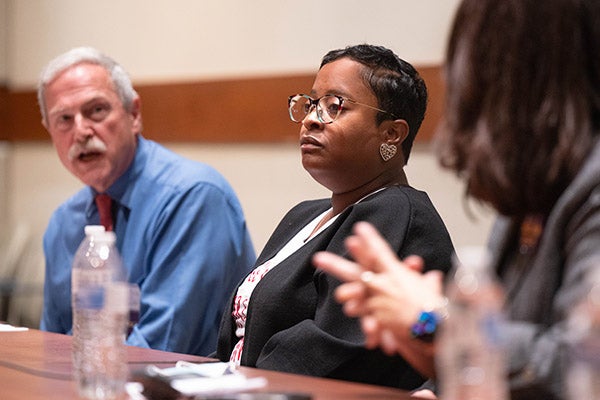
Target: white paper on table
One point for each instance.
(207, 369)
(10, 328)
(214, 386)
(211, 378)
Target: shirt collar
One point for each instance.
(121, 190)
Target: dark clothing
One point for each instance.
(295, 325)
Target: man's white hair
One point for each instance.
(80, 55)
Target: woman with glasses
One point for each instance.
(522, 125)
(357, 126)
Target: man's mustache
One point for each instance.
(93, 145)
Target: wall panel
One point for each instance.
(226, 111)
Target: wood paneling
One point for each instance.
(435, 106)
(241, 110)
(3, 113)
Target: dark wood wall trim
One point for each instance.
(240, 110)
(4, 131)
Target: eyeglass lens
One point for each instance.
(328, 108)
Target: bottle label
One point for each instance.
(491, 327)
(89, 298)
(117, 298)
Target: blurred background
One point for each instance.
(214, 77)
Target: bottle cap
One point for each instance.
(93, 229)
(105, 237)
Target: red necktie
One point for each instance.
(104, 204)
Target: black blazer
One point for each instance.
(294, 323)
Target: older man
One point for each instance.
(180, 228)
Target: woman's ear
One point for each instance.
(395, 131)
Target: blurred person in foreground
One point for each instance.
(521, 128)
(358, 124)
(180, 228)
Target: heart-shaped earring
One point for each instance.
(387, 151)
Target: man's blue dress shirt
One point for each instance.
(183, 239)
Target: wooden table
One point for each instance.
(37, 365)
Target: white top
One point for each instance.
(242, 298)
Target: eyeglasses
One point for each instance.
(328, 107)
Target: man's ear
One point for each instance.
(395, 131)
(136, 114)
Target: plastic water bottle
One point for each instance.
(80, 254)
(471, 362)
(583, 374)
(100, 313)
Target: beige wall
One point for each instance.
(3, 40)
(172, 40)
(181, 39)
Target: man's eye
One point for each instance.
(98, 112)
(63, 120)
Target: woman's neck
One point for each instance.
(341, 200)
